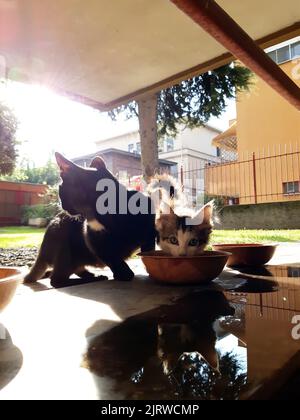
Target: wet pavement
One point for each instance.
(233, 339)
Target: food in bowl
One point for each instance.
(197, 269)
(247, 254)
(10, 278)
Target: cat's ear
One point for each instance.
(204, 215)
(64, 164)
(98, 163)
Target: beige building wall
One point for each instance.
(269, 127)
(266, 121)
(119, 142)
(192, 150)
(198, 139)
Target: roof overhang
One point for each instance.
(119, 152)
(105, 52)
(227, 140)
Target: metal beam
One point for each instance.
(215, 21)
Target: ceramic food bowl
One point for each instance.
(10, 278)
(247, 254)
(185, 270)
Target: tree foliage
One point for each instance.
(8, 129)
(193, 102)
(28, 172)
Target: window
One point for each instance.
(291, 187)
(160, 146)
(283, 54)
(138, 148)
(130, 148)
(273, 55)
(169, 145)
(287, 53)
(295, 50)
(294, 272)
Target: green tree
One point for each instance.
(8, 129)
(47, 174)
(193, 102)
(28, 172)
(190, 104)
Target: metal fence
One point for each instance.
(258, 178)
(251, 179)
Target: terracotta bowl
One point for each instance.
(10, 278)
(185, 270)
(247, 254)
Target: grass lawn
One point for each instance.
(20, 236)
(23, 236)
(245, 236)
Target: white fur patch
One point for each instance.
(183, 248)
(183, 239)
(95, 225)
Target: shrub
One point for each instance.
(45, 211)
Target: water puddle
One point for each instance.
(11, 358)
(252, 285)
(190, 349)
(248, 280)
(286, 271)
(258, 280)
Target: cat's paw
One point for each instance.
(58, 283)
(29, 278)
(124, 275)
(90, 277)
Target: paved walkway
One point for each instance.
(287, 253)
(78, 343)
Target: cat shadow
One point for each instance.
(160, 353)
(11, 358)
(38, 286)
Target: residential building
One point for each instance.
(187, 148)
(190, 151)
(266, 139)
(123, 164)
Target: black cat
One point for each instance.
(80, 236)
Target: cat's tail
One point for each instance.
(166, 189)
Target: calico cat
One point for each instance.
(177, 237)
(180, 231)
(80, 236)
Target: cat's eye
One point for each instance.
(194, 242)
(173, 240)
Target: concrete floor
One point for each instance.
(55, 338)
